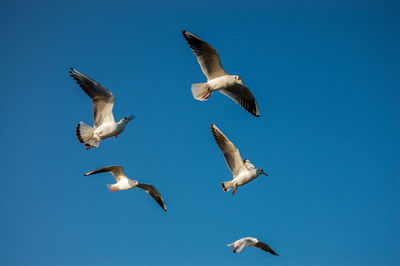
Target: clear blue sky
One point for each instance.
(326, 77)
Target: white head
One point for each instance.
(238, 79)
(133, 183)
(126, 120)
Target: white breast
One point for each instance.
(221, 82)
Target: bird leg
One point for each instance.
(234, 191)
(207, 94)
(89, 147)
(116, 136)
(114, 189)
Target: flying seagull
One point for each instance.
(103, 103)
(124, 183)
(217, 78)
(243, 170)
(240, 244)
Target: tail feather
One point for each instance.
(201, 91)
(226, 186)
(84, 132)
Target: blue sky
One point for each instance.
(326, 77)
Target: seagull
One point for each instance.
(243, 170)
(124, 183)
(240, 244)
(217, 78)
(103, 103)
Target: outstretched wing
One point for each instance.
(243, 96)
(207, 56)
(154, 193)
(231, 153)
(103, 99)
(116, 170)
(265, 247)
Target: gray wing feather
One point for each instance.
(117, 171)
(207, 56)
(265, 247)
(231, 153)
(103, 99)
(243, 96)
(154, 193)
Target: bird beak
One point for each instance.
(264, 173)
(242, 83)
(131, 118)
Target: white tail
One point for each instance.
(84, 132)
(226, 186)
(201, 91)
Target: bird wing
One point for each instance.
(103, 99)
(231, 153)
(242, 96)
(117, 171)
(154, 193)
(248, 164)
(207, 56)
(265, 247)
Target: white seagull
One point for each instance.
(217, 78)
(124, 183)
(103, 104)
(240, 244)
(243, 170)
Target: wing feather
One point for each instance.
(265, 247)
(231, 153)
(116, 170)
(103, 99)
(207, 56)
(243, 96)
(154, 193)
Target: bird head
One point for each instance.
(261, 172)
(128, 119)
(239, 79)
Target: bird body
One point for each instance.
(239, 245)
(125, 183)
(103, 104)
(217, 78)
(222, 82)
(243, 171)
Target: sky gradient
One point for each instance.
(326, 75)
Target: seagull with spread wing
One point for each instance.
(124, 183)
(243, 170)
(240, 244)
(103, 104)
(217, 78)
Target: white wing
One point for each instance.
(207, 56)
(117, 171)
(231, 153)
(243, 96)
(103, 99)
